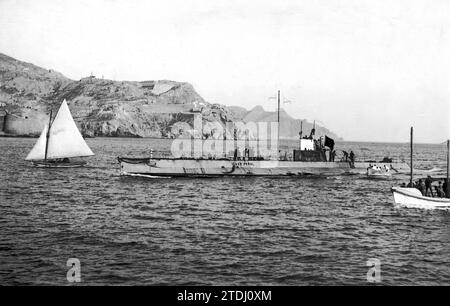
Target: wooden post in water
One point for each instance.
(411, 174)
(48, 135)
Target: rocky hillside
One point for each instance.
(101, 107)
(111, 108)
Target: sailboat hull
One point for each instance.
(56, 164)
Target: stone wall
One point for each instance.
(29, 123)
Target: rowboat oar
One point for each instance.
(394, 169)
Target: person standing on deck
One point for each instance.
(352, 158)
(440, 191)
(428, 182)
(421, 187)
(247, 154)
(332, 155)
(345, 155)
(445, 189)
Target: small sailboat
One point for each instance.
(412, 197)
(59, 141)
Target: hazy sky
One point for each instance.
(368, 70)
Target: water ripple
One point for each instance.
(221, 231)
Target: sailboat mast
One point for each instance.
(301, 135)
(447, 192)
(48, 135)
(411, 174)
(278, 139)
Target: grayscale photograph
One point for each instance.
(207, 144)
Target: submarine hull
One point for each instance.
(225, 167)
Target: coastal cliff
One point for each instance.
(103, 107)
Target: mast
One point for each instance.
(301, 134)
(48, 135)
(447, 192)
(278, 139)
(411, 174)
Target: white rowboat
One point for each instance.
(413, 198)
(379, 173)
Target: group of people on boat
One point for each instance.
(426, 188)
(63, 160)
(248, 154)
(349, 157)
(378, 168)
(58, 161)
(346, 157)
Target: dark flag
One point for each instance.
(329, 142)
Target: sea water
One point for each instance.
(216, 231)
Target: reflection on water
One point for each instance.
(220, 231)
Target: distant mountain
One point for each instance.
(239, 112)
(289, 126)
(103, 107)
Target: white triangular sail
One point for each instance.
(38, 151)
(65, 140)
